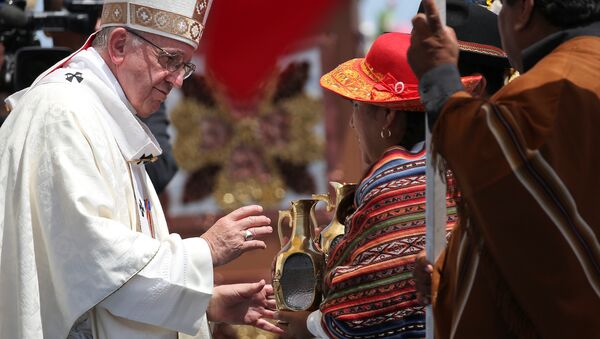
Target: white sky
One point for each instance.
(369, 11)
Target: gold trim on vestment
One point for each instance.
(122, 13)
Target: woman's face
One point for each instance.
(367, 122)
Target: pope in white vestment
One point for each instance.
(72, 156)
(85, 251)
(84, 247)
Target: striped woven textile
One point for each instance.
(369, 290)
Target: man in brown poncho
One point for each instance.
(525, 260)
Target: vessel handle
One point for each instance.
(325, 198)
(282, 216)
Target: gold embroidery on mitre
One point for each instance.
(142, 16)
(114, 13)
(160, 20)
(200, 11)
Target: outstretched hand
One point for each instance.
(422, 275)
(244, 304)
(226, 237)
(432, 43)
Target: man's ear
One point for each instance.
(117, 40)
(525, 15)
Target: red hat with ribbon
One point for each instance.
(383, 77)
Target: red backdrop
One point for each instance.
(244, 38)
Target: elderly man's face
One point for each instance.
(144, 80)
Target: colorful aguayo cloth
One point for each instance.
(369, 287)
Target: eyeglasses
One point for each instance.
(171, 62)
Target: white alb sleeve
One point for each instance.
(172, 291)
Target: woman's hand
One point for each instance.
(422, 275)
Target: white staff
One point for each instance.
(435, 205)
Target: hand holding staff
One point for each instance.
(432, 42)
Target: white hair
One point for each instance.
(101, 40)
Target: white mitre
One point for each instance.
(182, 20)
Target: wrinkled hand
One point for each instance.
(422, 275)
(294, 324)
(431, 44)
(243, 304)
(226, 237)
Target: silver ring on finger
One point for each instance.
(248, 235)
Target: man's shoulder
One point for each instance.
(53, 92)
(57, 93)
(65, 81)
(573, 62)
(583, 44)
(52, 106)
(579, 59)
(574, 57)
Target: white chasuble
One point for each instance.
(79, 255)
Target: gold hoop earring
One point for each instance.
(385, 135)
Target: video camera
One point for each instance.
(24, 59)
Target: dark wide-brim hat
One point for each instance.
(477, 32)
(383, 77)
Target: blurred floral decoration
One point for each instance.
(248, 157)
